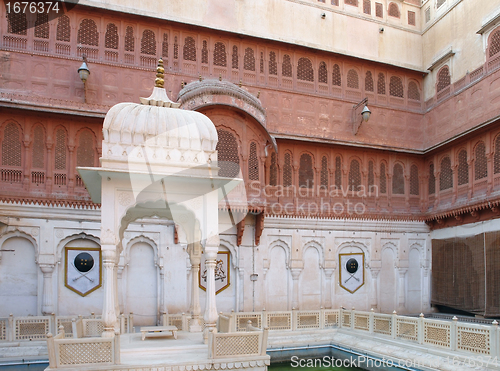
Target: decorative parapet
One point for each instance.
(65, 352)
(236, 345)
(477, 338)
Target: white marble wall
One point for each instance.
(296, 265)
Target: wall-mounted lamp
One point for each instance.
(84, 73)
(365, 115)
(323, 15)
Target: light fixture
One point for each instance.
(84, 73)
(365, 115)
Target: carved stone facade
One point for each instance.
(427, 161)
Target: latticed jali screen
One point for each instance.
(31, 329)
(242, 321)
(85, 353)
(495, 44)
(3, 331)
(237, 345)
(466, 273)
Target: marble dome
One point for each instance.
(169, 135)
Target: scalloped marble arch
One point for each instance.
(138, 239)
(210, 92)
(75, 236)
(19, 234)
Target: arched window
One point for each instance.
(480, 162)
(63, 32)
(306, 171)
(494, 45)
(324, 173)
(354, 176)
(60, 150)
(286, 67)
(496, 157)
(220, 54)
(413, 92)
(38, 149)
(381, 84)
(85, 153)
(352, 79)
(164, 46)
(17, 23)
(87, 33)
(111, 37)
(227, 154)
(371, 176)
(42, 26)
(383, 178)
(414, 184)
(367, 7)
(189, 49)
(305, 70)
(463, 168)
(234, 57)
(11, 145)
(393, 10)
(336, 76)
(273, 171)
(249, 60)
(368, 81)
(398, 180)
(322, 73)
(176, 48)
(287, 170)
(444, 79)
(148, 42)
(261, 62)
(253, 163)
(60, 156)
(446, 174)
(432, 180)
(273, 65)
(338, 172)
(129, 39)
(396, 87)
(204, 52)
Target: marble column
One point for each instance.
(195, 293)
(161, 289)
(117, 301)
(374, 289)
(47, 298)
(109, 314)
(211, 248)
(401, 290)
(295, 280)
(328, 297)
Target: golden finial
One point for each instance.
(159, 81)
(220, 76)
(199, 78)
(258, 94)
(240, 84)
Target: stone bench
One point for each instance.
(158, 331)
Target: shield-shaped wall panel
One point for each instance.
(222, 267)
(83, 272)
(352, 271)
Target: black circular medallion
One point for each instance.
(352, 265)
(84, 262)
